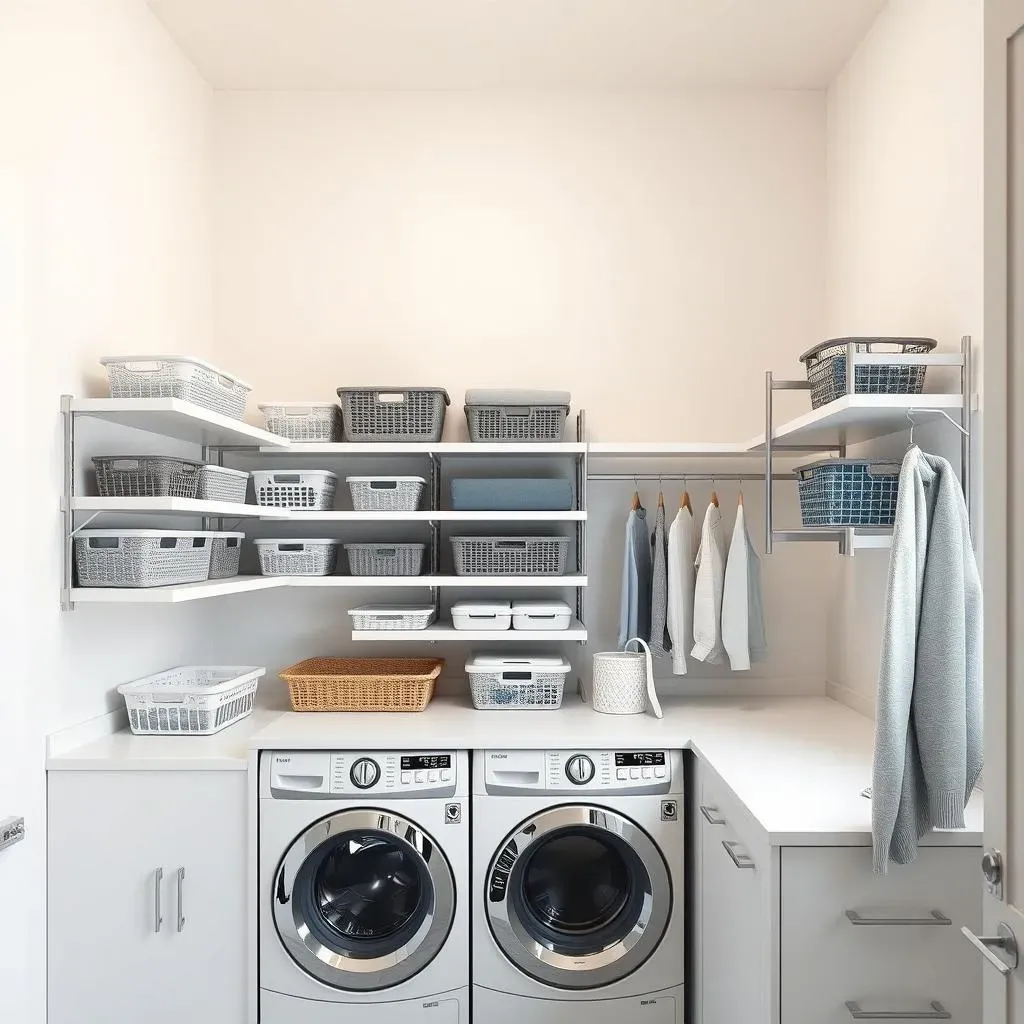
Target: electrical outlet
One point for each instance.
(12, 830)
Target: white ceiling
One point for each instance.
(471, 44)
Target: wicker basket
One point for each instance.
(510, 556)
(511, 423)
(141, 558)
(386, 493)
(226, 553)
(402, 415)
(146, 476)
(385, 559)
(848, 492)
(362, 684)
(282, 556)
(218, 483)
(191, 380)
(304, 421)
(826, 368)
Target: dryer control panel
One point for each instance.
(304, 774)
(631, 771)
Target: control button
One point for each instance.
(406, 778)
(446, 775)
(433, 777)
(365, 773)
(646, 773)
(579, 769)
(421, 777)
(622, 774)
(660, 771)
(634, 773)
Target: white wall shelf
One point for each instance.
(408, 582)
(440, 448)
(173, 595)
(668, 449)
(448, 634)
(171, 417)
(428, 516)
(176, 506)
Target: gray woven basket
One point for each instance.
(848, 492)
(386, 494)
(284, 557)
(225, 554)
(515, 423)
(510, 556)
(406, 415)
(146, 476)
(217, 483)
(385, 559)
(141, 558)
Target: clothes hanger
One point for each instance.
(910, 419)
(661, 494)
(684, 501)
(714, 493)
(739, 501)
(636, 495)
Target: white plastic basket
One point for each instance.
(386, 493)
(522, 684)
(541, 615)
(304, 421)
(192, 380)
(196, 700)
(142, 558)
(218, 483)
(481, 615)
(225, 555)
(312, 489)
(392, 616)
(282, 556)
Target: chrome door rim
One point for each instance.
(572, 970)
(363, 974)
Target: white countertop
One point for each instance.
(797, 764)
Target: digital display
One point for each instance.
(427, 762)
(639, 758)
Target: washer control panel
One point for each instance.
(575, 771)
(311, 774)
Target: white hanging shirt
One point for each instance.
(681, 580)
(707, 597)
(743, 632)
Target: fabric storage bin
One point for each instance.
(218, 483)
(516, 414)
(312, 489)
(290, 557)
(386, 493)
(146, 476)
(848, 492)
(385, 559)
(142, 558)
(362, 684)
(510, 556)
(392, 616)
(502, 495)
(826, 368)
(481, 615)
(541, 615)
(225, 553)
(304, 421)
(196, 700)
(191, 380)
(510, 683)
(405, 415)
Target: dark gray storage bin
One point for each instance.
(520, 495)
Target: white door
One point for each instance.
(1003, 531)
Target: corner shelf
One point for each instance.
(172, 595)
(438, 448)
(449, 634)
(175, 506)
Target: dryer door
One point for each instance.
(578, 897)
(363, 900)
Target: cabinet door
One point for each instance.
(110, 834)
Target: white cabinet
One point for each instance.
(146, 897)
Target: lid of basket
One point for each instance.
(926, 343)
(389, 390)
(527, 662)
(292, 471)
(147, 533)
(887, 466)
(296, 540)
(483, 607)
(222, 533)
(516, 396)
(540, 607)
(203, 679)
(227, 470)
(384, 479)
(392, 609)
(107, 360)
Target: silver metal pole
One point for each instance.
(851, 369)
(719, 477)
(967, 422)
(769, 394)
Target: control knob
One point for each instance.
(365, 773)
(579, 769)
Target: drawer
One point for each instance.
(882, 942)
(720, 808)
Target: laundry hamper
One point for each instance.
(402, 415)
(385, 559)
(141, 558)
(225, 555)
(848, 492)
(385, 617)
(191, 380)
(311, 489)
(826, 368)
(196, 700)
(510, 556)
(533, 683)
(362, 684)
(218, 483)
(146, 476)
(282, 556)
(386, 493)
(304, 421)
(516, 414)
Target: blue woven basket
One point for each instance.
(848, 492)
(826, 368)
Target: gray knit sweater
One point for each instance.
(928, 732)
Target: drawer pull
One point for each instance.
(1004, 941)
(742, 860)
(935, 917)
(710, 815)
(937, 1012)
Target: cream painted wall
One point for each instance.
(904, 235)
(104, 248)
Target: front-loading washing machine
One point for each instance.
(578, 860)
(363, 876)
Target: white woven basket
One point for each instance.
(623, 681)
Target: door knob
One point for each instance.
(1004, 942)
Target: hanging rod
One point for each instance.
(687, 477)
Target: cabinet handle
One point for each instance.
(1005, 941)
(937, 1012)
(742, 860)
(935, 917)
(709, 815)
(158, 881)
(181, 899)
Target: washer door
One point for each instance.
(363, 900)
(578, 897)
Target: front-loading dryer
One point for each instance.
(363, 877)
(578, 860)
